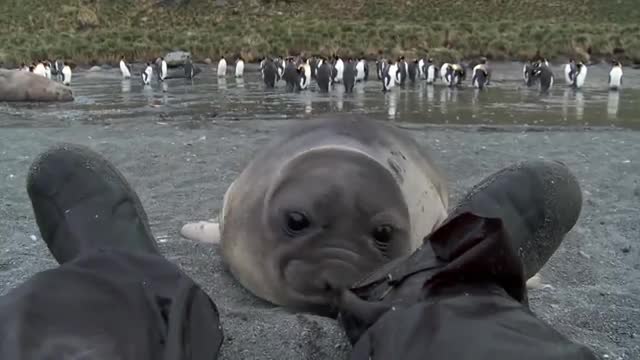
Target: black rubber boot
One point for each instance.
(538, 202)
(500, 234)
(82, 203)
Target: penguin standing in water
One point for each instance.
(580, 76)
(527, 74)
(313, 66)
(458, 75)
(125, 69)
(570, 71)
(161, 68)
(239, 67)
(339, 70)
(402, 69)
(360, 70)
(291, 76)
(366, 68)
(304, 76)
(324, 76)
(421, 67)
(446, 74)
(431, 71)
(222, 67)
(480, 76)
(270, 73)
(544, 76)
(349, 76)
(615, 76)
(279, 62)
(189, 70)
(146, 74)
(381, 65)
(66, 74)
(389, 75)
(413, 70)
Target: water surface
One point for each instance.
(102, 97)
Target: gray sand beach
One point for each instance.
(181, 171)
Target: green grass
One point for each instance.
(100, 31)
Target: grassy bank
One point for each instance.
(100, 31)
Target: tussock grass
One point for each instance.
(100, 31)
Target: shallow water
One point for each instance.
(102, 97)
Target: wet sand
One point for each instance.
(181, 174)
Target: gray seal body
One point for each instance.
(323, 205)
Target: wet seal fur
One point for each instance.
(18, 85)
(328, 202)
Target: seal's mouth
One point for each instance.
(315, 284)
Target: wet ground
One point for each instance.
(181, 148)
(103, 97)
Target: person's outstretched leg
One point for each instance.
(113, 296)
(463, 295)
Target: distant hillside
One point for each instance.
(97, 31)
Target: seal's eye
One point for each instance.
(297, 221)
(382, 235)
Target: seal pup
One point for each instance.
(307, 215)
(239, 67)
(349, 76)
(615, 76)
(222, 67)
(323, 78)
(125, 69)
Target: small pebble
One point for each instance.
(625, 250)
(33, 237)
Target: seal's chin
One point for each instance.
(316, 287)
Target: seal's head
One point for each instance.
(331, 216)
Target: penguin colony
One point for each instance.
(297, 72)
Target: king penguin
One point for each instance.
(222, 67)
(239, 67)
(349, 76)
(125, 69)
(615, 76)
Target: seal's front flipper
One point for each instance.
(203, 231)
